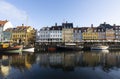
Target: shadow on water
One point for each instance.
(61, 65)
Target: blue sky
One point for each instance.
(40, 13)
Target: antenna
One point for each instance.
(26, 20)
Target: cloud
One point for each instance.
(11, 12)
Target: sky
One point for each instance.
(42, 13)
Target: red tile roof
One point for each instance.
(3, 22)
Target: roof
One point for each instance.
(21, 28)
(45, 29)
(8, 30)
(67, 25)
(18, 29)
(105, 26)
(56, 28)
(84, 29)
(3, 22)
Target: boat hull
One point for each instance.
(100, 48)
(68, 48)
(51, 49)
(28, 49)
(16, 49)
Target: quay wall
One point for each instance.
(43, 46)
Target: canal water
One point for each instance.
(61, 65)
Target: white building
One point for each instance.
(49, 34)
(117, 32)
(3, 26)
(43, 35)
(101, 34)
(56, 33)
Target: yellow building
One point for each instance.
(89, 34)
(23, 34)
(67, 32)
(110, 34)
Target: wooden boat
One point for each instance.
(99, 47)
(28, 49)
(11, 49)
(51, 48)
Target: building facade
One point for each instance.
(77, 36)
(67, 32)
(90, 34)
(7, 36)
(23, 34)
(110, 34)
(101, 34)
(56, 33)
(43, 35)
(117, 32)
(3, 26)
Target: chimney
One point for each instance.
(104, 22)
(66, 22)
(91, 25)
(114, 24)
(55, 24)
(22, 24)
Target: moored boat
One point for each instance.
(69, 47)
(28, 49)
(12, 49)
(51, 48)
(99, 47)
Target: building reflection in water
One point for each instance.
(68, 61)
(4, 65)
(64, 61)
(20, 62)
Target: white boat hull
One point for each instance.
(100, 48)
(28, 50)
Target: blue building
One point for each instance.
(7, 36)
(77, 36)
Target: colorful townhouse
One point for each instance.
(109, 32)
(90, 34)
(77, 34)
(3, 26)
(23, 34)
(101, 34)
(117, 32)
(56, 33)
(43, 35)
(67, 32)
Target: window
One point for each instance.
(79, 31)
(116, 36)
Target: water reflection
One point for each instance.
(17, 65)
(17, 61)
(68, 61)
(100, 51)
